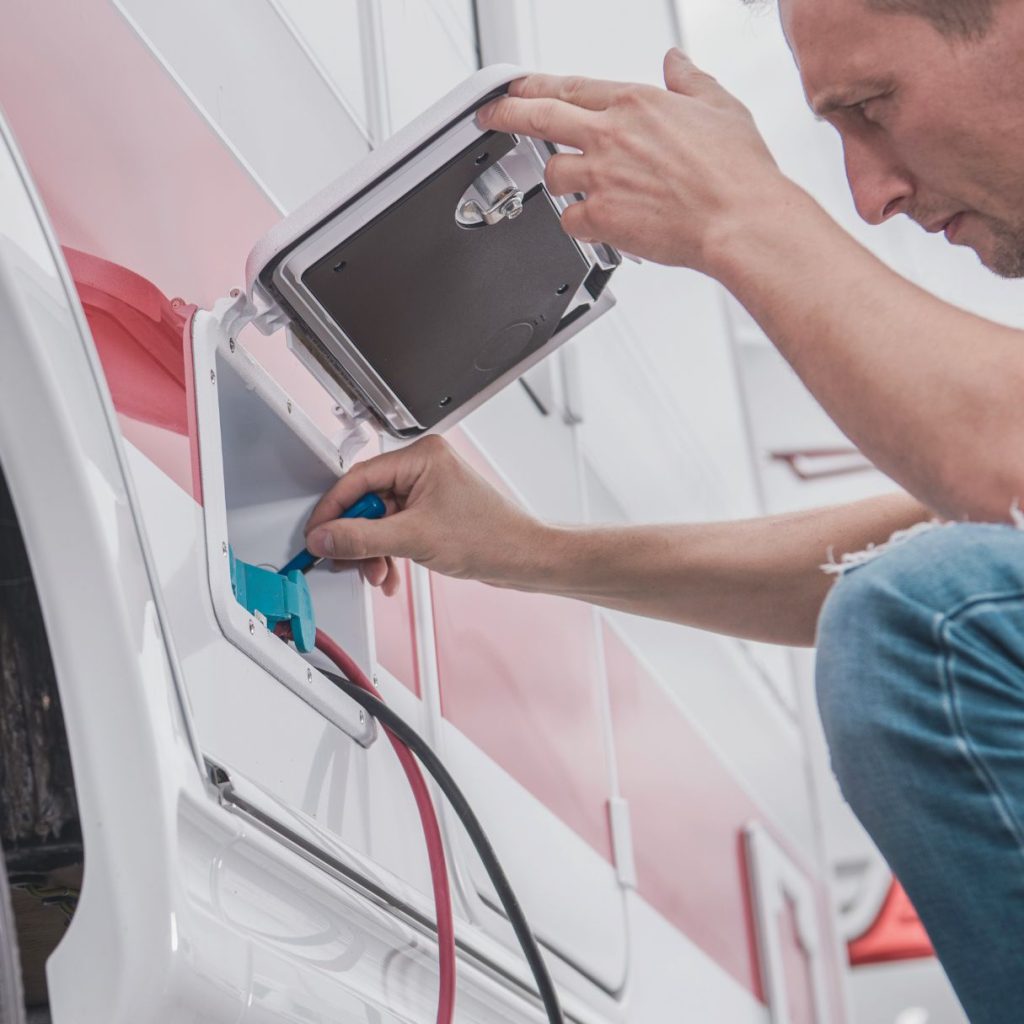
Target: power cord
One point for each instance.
(375, 707)
(406, 740)
(428, 819)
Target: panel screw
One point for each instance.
(341, 461)
(376, 681)
(511, 208)
(289, 405)
(177, 303)
(231, 344)
(252, 628)
(362, 717)
(234, 293)
(213, 377)
(223, 547)
(309, 675)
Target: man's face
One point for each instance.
(932, 126)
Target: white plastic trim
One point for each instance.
(774, 879)
(213, 332)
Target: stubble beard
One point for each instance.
(1007, 259)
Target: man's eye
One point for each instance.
(868, 109)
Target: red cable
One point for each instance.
(431, 829)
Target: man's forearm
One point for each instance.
(760, 579)
(932, 395)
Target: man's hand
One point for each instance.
(663, 171)
(441, 514)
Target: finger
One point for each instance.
(380, 474)
(374, 571)
(351, 540)
(683, 76)
(566, 174)
(551, 120)
(577, 222)
(393, 581)
(589, 93)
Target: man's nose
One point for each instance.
(881, 189)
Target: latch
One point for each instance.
(492, 198)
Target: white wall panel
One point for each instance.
(331, 31)
(429, 47)
(603, 38)
(255, 83)
(737, 713)
(673, 980)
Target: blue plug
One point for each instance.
(369, 506)
(277, 598)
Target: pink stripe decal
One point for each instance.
(130, 170)
(518, 676)
(394, 632)
(688, 816)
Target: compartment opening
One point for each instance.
(272, 480)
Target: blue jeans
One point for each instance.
(920, 680)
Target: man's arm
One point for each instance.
(932, 395)
(759, 579)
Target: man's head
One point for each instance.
(928, 97)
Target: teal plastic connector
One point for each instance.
(276, 598)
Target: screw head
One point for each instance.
(511, 208)
(213, 377)
(223, 547)
(177, 303)
(375, 681)
(362, 717)
(289, 405)
(252, 628)
(341, 461)
(309, 675)
(234, 293)
(231, 344)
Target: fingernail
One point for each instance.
(321, 542)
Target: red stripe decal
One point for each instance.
(144, 343)
(895, 934)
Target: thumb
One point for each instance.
(679, 71)
(356, 539)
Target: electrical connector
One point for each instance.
(276, 599)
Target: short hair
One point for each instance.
(968, 19)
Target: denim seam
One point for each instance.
(951, 704)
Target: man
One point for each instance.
(920, 650)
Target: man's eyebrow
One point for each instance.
(832, 100)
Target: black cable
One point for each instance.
(433, 764)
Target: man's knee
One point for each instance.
(878, 637)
